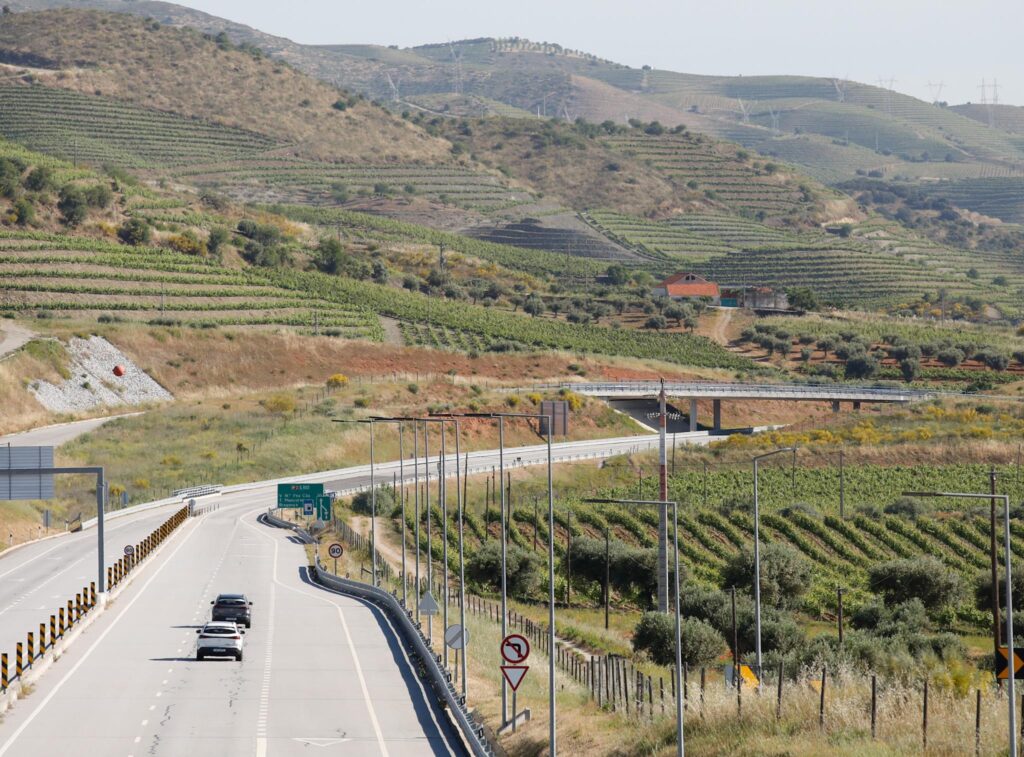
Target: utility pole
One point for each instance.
(663, 496)
(607, 572)
(996, 639)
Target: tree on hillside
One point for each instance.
(618, 274)
(785, 573)
(72, 205)
(134, 231)
(533, 305)
(329, 256)
(803, 298)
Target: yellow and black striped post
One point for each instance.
(19, 659)
(31, 648)
(42, 639)
(78, 607)
(71, 614)
(85, 598)
(53, 630)
(60, 614)
(4, 677)
(110, 577)
(92, 593)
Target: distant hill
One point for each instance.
(180, 70)
(832, 129)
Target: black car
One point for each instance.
(233, 607)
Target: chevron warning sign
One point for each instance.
(1003, 670)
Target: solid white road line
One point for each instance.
(348, 636)
(99, 639)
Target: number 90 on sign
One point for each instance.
(335, 551)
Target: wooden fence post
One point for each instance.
(977, 725)
(821, 703)
(874, 705)
(778, 697)
(924, 717)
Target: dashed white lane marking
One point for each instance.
(138, 739)
(152, 707)
(145, 723)
(261, 744)
(261, 720)
(88, 652)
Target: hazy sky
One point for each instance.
(913, 42)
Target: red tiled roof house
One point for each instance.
(688, 286)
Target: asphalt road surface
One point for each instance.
(58, 434)
(38, 578)
(321, 672)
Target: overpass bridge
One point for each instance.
(718, 391)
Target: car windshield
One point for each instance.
(220, 630)
(232, 602)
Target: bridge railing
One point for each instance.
(724, 390)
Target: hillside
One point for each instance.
(180, 71)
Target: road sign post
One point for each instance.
(335, 551)
(515, 649)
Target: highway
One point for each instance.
(39, 577)
(321, 671)
(319, 667)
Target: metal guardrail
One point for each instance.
(197, 491)
(413, 635)
(724, 390)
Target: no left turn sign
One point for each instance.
(515, 649)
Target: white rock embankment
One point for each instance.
(93, 383)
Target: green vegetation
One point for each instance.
(100, 130)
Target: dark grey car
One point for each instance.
(233, 607)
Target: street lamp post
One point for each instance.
(1010, 697)
(552, 708)
(680, 733)
(401, 477)
(373, 495)
(757, 557)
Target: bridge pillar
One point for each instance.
(717, 410)
(835, 406)
(693, 415)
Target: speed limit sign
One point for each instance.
(335, 551)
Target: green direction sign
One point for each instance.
(297, 495)
(323, 508)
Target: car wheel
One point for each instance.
(238, 656)
(199, 655)
(248, 624)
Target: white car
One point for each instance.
(219, 639)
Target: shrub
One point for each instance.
(39, 179)
(98, 196)
(906, 507)
(951, 357)
(337, 381)
(24, 212)
(785, 573)
(187, 243)
(134, 231)
(218, 237)
(279, 403)
(413, 388)
(387, 501)
(523, 568)
(925, 578)
(72, 205)
(655, 635)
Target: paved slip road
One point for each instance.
(321, 671)
(57, 434)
